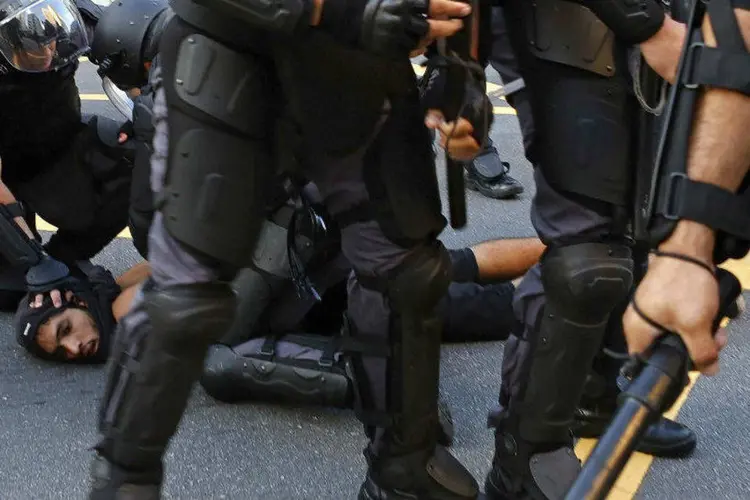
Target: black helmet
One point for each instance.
(126, 38)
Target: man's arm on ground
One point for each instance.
(134, 276)
(506, 259)
(129, 282)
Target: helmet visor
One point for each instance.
(42, 35)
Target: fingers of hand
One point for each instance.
(638, 333)
(441, 29)
(448, 8)
(68, 295)
(56, 298)
(456, 131)
(37, 301)
(433, 119)
(461, 149)
(123, 137)
(703, 349)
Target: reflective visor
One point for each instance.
(43, 36)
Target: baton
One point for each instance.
(663, 373)
(465, 45)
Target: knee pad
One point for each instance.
(587, 280)
(195, 314)
(418, 284)
(220, 161)
(583, 283)
(293, 369)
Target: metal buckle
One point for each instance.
(325, 361)
(690, 59)
(269, 347)
(670, 209)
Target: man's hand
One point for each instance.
(662, 51)
(56, 297)
(462, 146)
(681, 296)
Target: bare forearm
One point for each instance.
(507, 259)
(719, 151)
(134, 276)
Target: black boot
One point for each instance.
(664, 438)
(522, 470)
(425, 475)
(488, 175)
(110, 481)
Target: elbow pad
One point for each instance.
(632, 21)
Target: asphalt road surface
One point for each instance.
(256, 451)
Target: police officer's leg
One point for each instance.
(393, 335)
(211, 158)
(580, 148)
(563, 304)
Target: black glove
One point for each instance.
(390, 28)
(394, 27)
(127, 129)
(47, 275)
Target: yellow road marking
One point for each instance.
(43, 225)
(491, 87)
(632, 475)
(498, 110)
(94, 97)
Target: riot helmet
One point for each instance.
(41, 35)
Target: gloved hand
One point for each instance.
(47, 275)
(126, 132)
(392, 28)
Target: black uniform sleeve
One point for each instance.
(633, 21)
(343, 19)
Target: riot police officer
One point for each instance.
(216, 110)
(67, 168)
(583, 115)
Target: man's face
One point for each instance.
(38, 58)
(72, 331)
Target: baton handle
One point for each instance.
(462, 44)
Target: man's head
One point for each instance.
(41, 35)
(64, 332)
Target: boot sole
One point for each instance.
(679, 449)
(365, 495)
(492, 492)
(510, 193)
